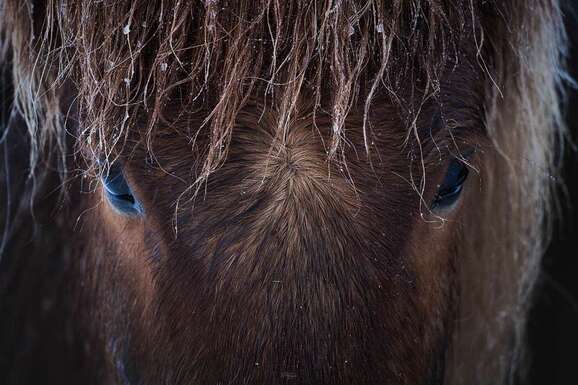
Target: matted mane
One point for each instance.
(131, 64)
(126, 59)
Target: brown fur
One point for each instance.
(286, 154)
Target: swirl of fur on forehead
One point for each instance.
(129, 63)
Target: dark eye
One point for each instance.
(450, 189)
(119, 194)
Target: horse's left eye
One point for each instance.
(119, 194)
(450, 189)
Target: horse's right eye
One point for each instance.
(119, 194)
(450, 189)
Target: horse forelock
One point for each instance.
(128, 60)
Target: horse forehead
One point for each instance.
(284, 188)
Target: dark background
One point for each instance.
(553, 324)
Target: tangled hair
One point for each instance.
(111, 74)
(126, 60)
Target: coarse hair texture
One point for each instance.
(120, 66)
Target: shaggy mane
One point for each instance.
(128, 60)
